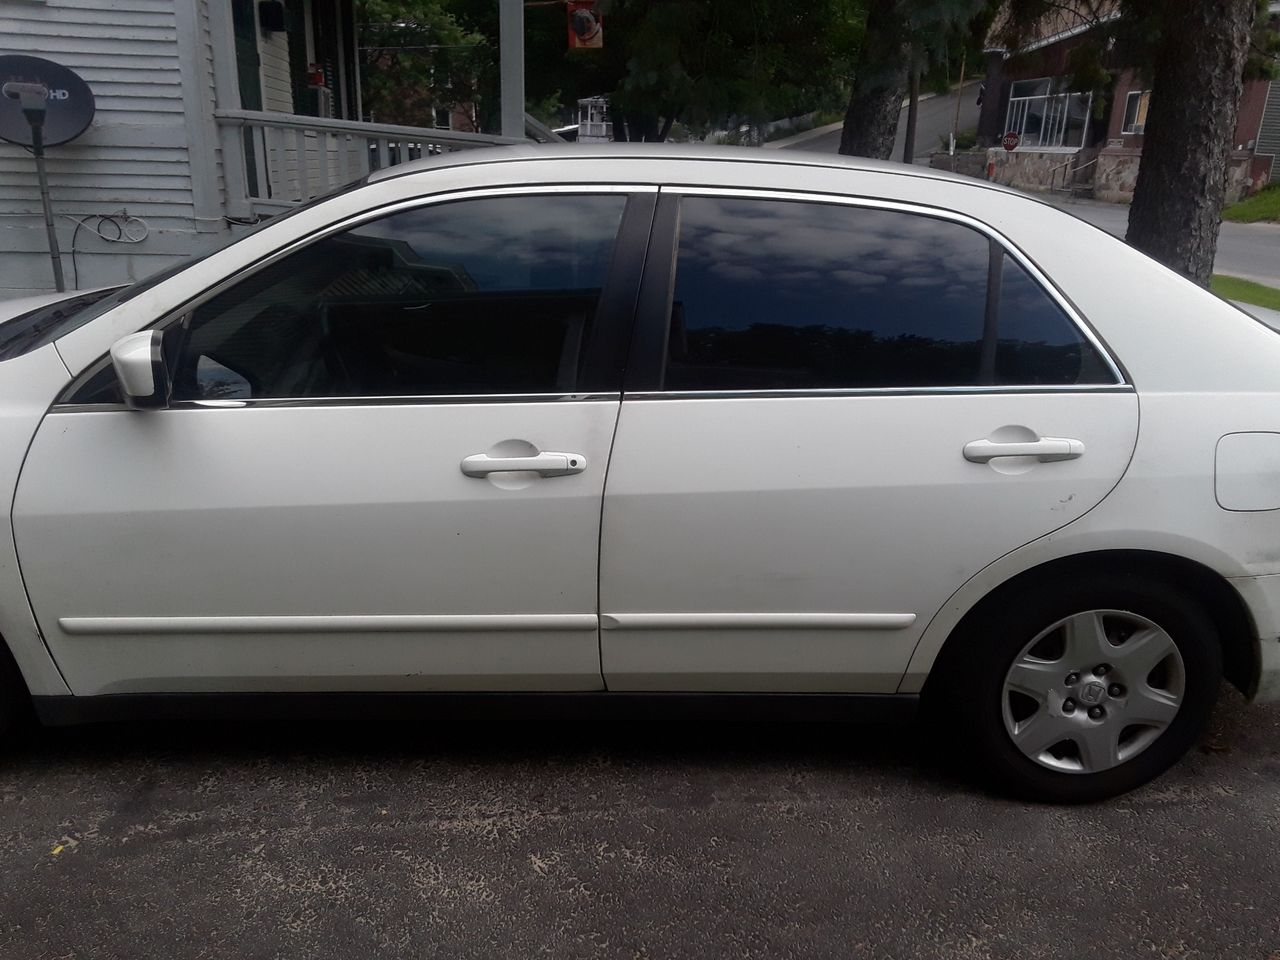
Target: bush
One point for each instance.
(965, 140)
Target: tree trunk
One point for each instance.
(1196, 85)
(913, 112)
(618, 127)
(636, 128)
(879, 84)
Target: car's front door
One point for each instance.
(382, 467)
(836, 414)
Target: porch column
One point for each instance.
(511, 65)
(226, 90)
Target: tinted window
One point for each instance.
(35, 328)
(1039, 344)
(774, 294)
(484, 296)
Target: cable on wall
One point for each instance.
(122, 227)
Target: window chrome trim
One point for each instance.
(1082, 325)
(375, 213)
(442, 399)
(838, 392)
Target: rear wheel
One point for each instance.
(1080, 691)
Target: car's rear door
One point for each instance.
(836, 413)
(382, 467)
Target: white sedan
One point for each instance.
(620, 425)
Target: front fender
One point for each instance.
(28, 385)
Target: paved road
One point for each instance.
(642, 841)
(1249, 250)
(933, 122)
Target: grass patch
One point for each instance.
(1246, 291)
(1263, 205)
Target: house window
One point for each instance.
(442, 118)
(1044, 113)
(1135, 111)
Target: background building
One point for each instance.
(210, 115)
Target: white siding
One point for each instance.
(134, 158)
(277, 87)
(205, 41)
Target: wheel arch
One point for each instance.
(1224, 605)
(12, 684)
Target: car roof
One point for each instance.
(679, 154)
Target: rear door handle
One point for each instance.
(546, 464)
(1045, 449)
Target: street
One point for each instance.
(1248, 250)
(933, 124)
(610, 840)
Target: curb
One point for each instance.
(802, 137)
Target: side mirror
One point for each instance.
(138, 360)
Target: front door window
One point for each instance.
(487, 296)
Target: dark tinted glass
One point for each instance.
(485, 296)
(777, 294)
(1039, 344)
(35, 328)
(774, 294)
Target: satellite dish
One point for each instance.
(68, 107)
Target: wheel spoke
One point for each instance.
(1141, 653)
(1097, 695)
(1099, 746)
(1086, 638)
(1150, 707)
(1034, 678)
(1039, 732)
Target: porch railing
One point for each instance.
(1050, 120)
(272, 161)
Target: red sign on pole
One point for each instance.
(586, 26)
(1011, 140)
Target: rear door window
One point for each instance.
(775, 294)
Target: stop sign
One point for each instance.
(1011, 140)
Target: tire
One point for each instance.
(15, 702)
(1011, 669)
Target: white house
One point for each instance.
(210, 115)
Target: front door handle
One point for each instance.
(547, 464)
(1045, 449)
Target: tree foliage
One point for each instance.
(898, 33)
(706, 64)
(415, 56)
(725, 61)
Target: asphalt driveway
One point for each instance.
(617, 840)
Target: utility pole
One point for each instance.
(955, 122)
(511, 65)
